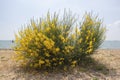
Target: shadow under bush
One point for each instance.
(89, 64)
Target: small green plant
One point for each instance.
(95, 78)
(57, 41)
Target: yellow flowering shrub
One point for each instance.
(91, 36)
(57, 42)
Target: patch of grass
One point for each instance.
(2, 57)
(95, 78)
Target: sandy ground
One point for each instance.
(9, 70)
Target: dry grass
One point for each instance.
(105, 67)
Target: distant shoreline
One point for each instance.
(7, 49)
(105, 45)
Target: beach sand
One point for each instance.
(10, 70)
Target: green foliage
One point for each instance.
(57, 42)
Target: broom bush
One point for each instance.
(56, 41)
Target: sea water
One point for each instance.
(9, 44)
(110, 45)
(6, 44)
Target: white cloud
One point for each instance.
(113, 31)
(115, 24)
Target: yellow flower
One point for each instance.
(73, 65)
(62, 38)
(74, 62)
(60, 63)
(89, 50)
(43, 23)
(48, 44)
(87, 37)
(94, 39)
(70, 47)
(36, 43)
(73, 36)
(36, 54)
(53, 26)
(47, 61)
(88, 31)
(91, 22)
(57, 49)
(54, 59)
(61, 58)
(90, 43)
(67, 32)
(17, 52)
(80, 40)
(41, 62)
(31, 65)
(67, 51)
(39, 34)
(30, 50)
(65, 68)
(81, 49)
(48, 29)
(53, 37)
(84, 27)
(37, 39)
(32, 54)
(47, 54)
(76, 30)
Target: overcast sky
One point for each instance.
(15, 13)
